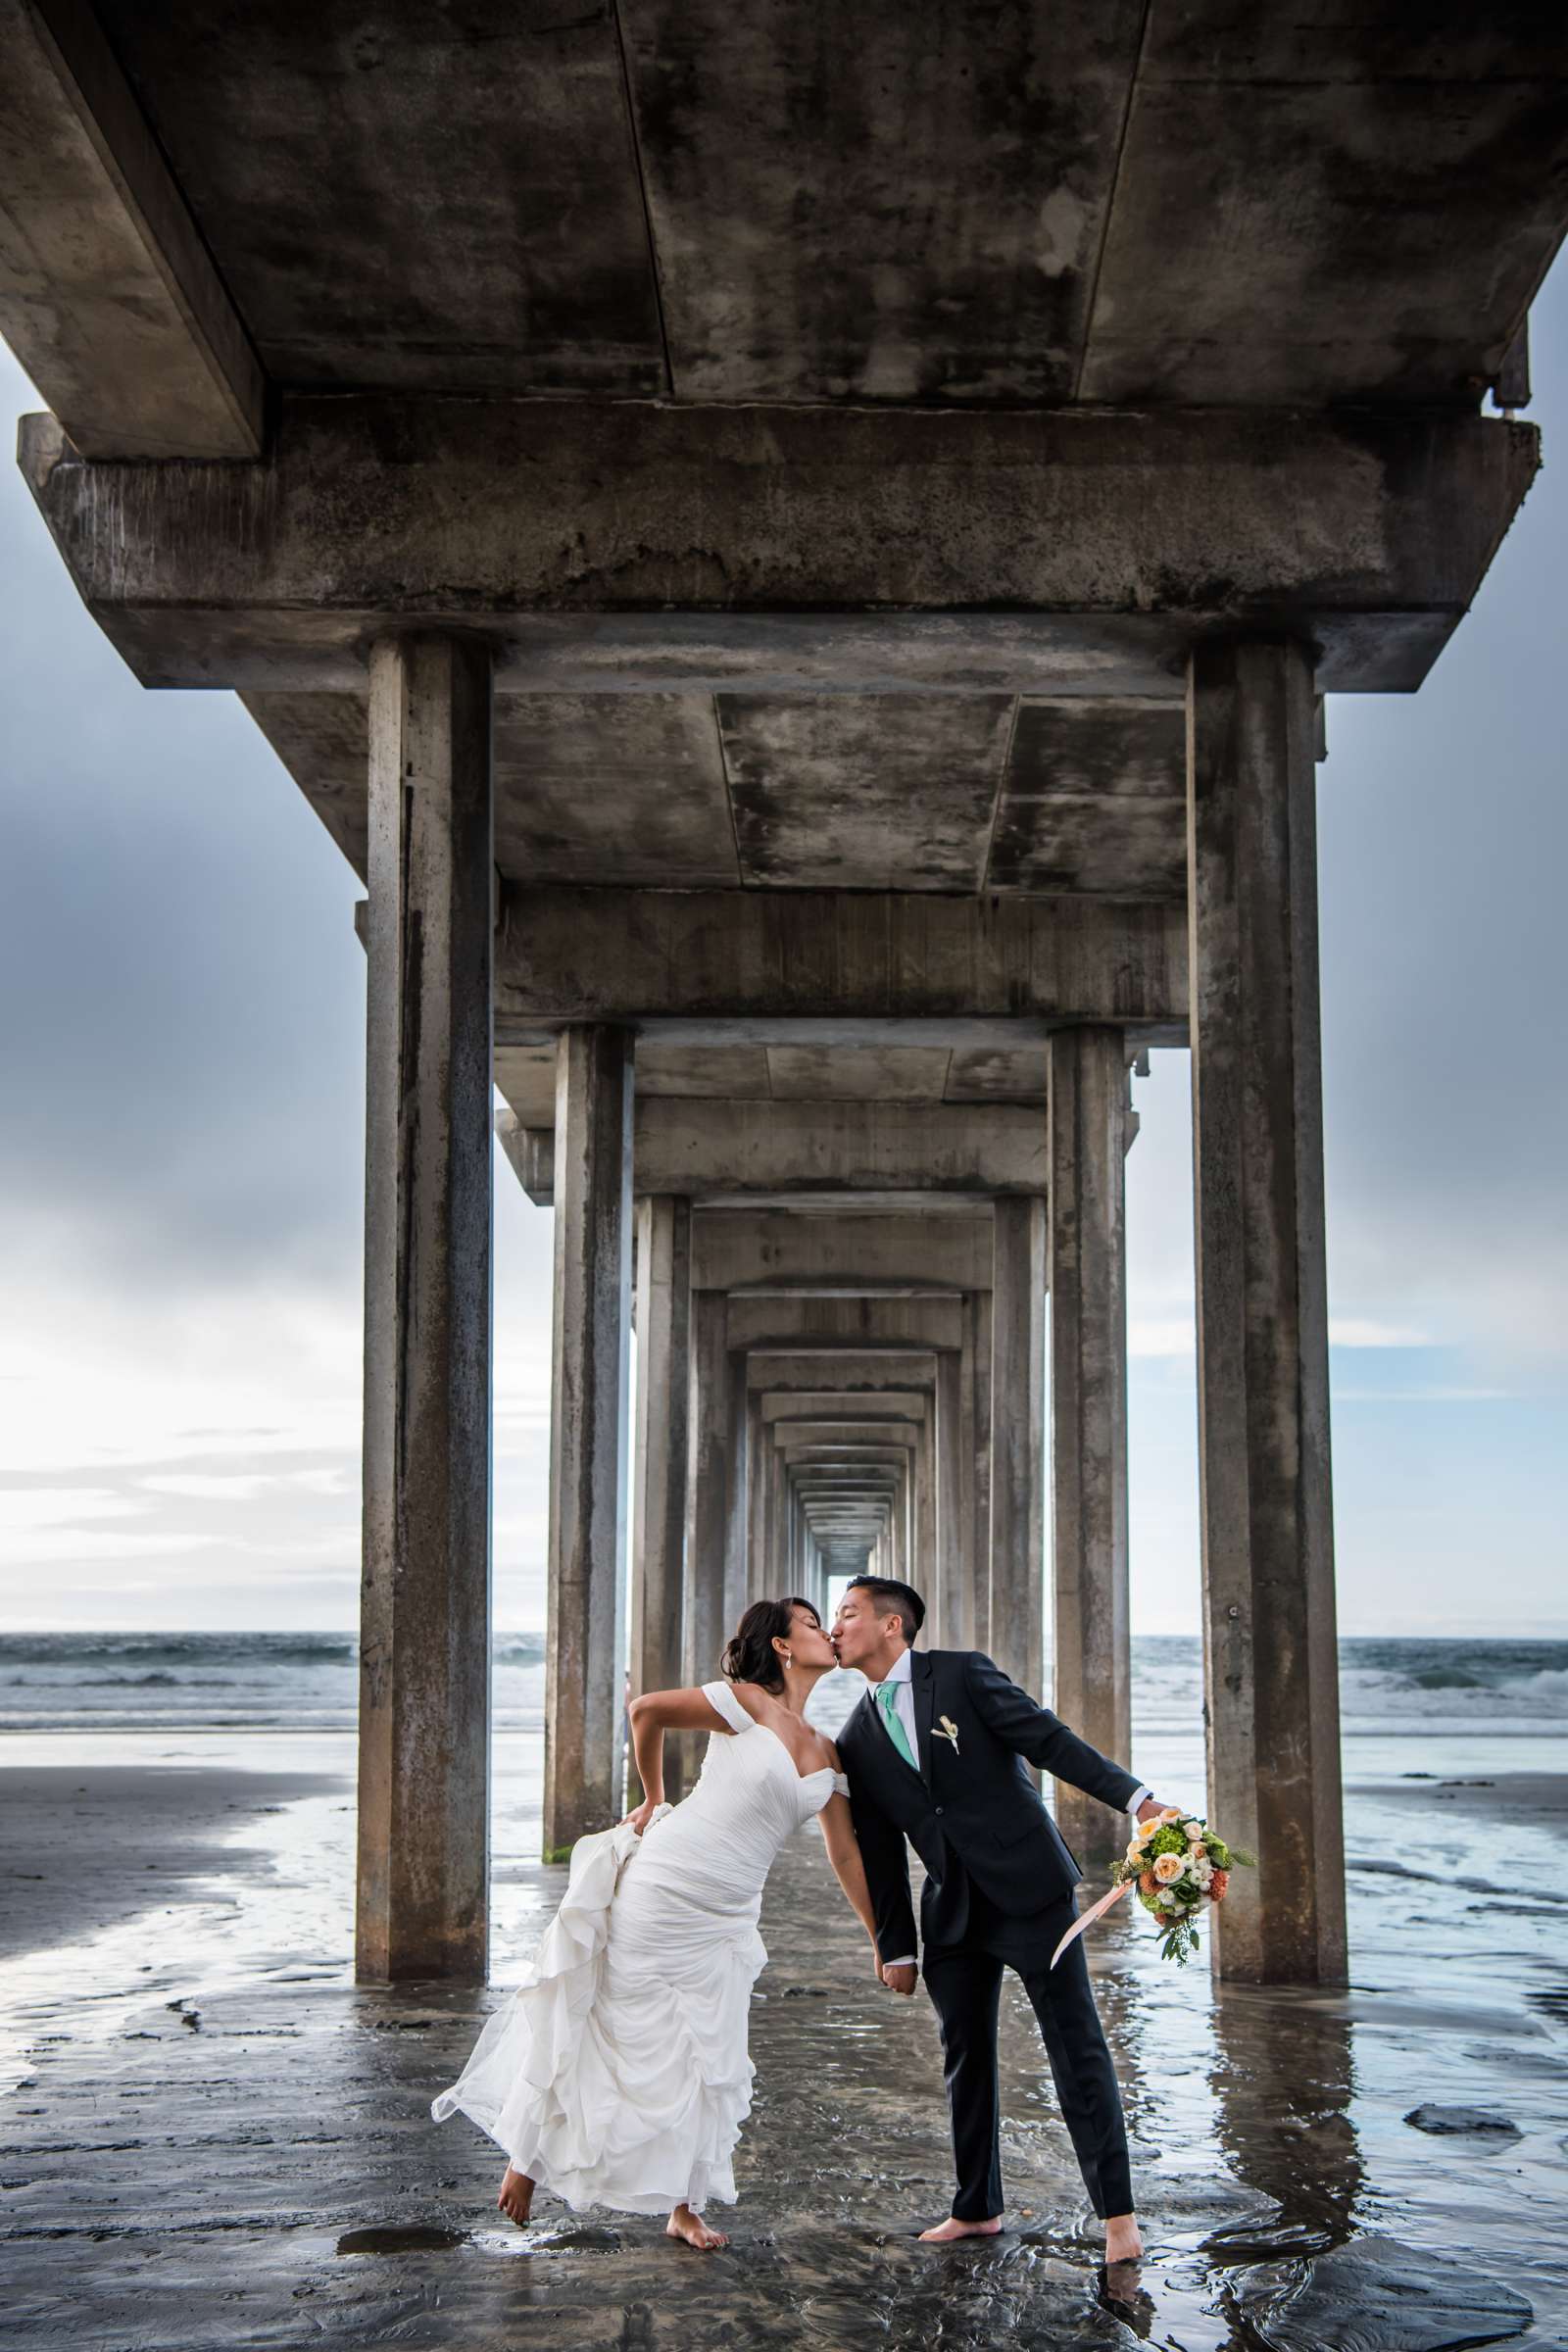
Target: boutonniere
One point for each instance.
(948, 1730)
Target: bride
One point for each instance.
(618, 2073)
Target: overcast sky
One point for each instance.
(181, 1150)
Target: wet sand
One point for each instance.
(84, 1846)
(228, 2154)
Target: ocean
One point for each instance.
(1408, 1688)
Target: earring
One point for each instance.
(788, 1659)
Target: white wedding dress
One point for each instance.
(618, 2073)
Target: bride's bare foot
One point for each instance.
(683, 2222)
(946, 2232)
(1122, 2241)
(516, 2196)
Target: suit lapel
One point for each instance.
(922, 1677)
(871, 1735)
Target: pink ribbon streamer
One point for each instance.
(1087, 1918)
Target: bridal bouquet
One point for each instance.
(1178, 1864)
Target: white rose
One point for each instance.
(1168, 1867)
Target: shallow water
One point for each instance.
(1265, 2126)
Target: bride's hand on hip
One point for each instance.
(644, 1813)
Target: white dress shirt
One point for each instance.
(900, 1674)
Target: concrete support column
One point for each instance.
(952, 1551)
(707, 1488)
(584, 1642)
(1017, 1432)
(658, 1502)
(424, 1627)
(737, 1521)
(925, 1505)
(1086, 1217)
(756, 1502)
(1271, 1669)
(976, 1621)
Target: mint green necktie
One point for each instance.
(887, 1699)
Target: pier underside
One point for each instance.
(799, 559)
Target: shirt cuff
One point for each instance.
(1137, 1797)
(908, 1961)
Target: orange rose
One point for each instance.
(1219, 1884)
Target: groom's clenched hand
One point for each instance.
(900, 1978)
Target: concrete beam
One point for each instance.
(807, 1408)
(818, 1254)
(1050, 550)
(846, 1322)
(108, 294)
(725, 1150)
(425, 1621)
(855, 1372)
(717, 964)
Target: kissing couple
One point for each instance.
(618, 2074)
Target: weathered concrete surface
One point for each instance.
(425, 1624)
(816, 1072)
(954, 1564)
(854, 1400)
(707, 1484)
(1087, 1274)
(659, 1494)
(401, 201)
(1265, 1498)
(974, 1621)
(107, 295)
(717, 961)
(734, 204)
(928, 791)
(588, 1433)
(1125, 535)
(765, 1323)
(709, 1151)
(1017, 1441)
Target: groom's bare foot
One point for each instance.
(1122, 2241)
(516, 2196)
(946, 2232)
(683, 2222)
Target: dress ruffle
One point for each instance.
(620, 2077)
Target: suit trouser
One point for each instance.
(964, 1981)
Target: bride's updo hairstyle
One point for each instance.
(751, 1656)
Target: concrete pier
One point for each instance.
(827, 576)
(1017, 1442)
(583, 1679)
(1091, 1647)
(1271, 1669)
(425, 1623)
(708, 1485)
(658, 1499)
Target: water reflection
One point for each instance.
(1283, 2082)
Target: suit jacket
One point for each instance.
(970, 1809)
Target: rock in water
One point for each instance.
(1376, 2296)
(1484, 2121)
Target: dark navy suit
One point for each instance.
(999, 1893)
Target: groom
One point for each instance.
(936, 1752)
